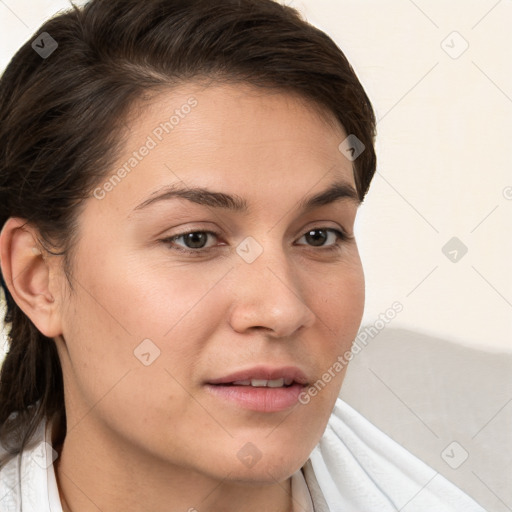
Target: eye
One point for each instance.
(317, 240)
(195, 241)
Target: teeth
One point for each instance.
(261, 383)
(277, 383)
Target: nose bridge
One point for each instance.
(269, 292)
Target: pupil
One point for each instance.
(316, 238)
(191, 238)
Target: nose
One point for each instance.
(270, 294)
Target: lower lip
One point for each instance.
(261, 399)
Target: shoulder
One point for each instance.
(359, 467)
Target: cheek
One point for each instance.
(340, 298)
(125, 314)
(133, 342)
(339, 307)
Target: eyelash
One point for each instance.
(341, 237)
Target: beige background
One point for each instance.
(445, 120)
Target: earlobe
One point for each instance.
(28, 275)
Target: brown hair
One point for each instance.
(61, 129)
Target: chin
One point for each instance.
(268, 473)
(269, 464)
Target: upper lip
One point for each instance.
(264, 373)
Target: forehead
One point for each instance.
(228, 115)
(248, 141)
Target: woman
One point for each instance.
(179, 185)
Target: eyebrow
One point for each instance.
(337, 191)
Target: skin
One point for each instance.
(151, 437)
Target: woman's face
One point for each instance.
(153, 337)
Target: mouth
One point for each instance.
(261, 389)
(262, 383)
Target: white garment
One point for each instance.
(355, 468)
(359, 468)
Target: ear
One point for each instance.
(28, 275)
